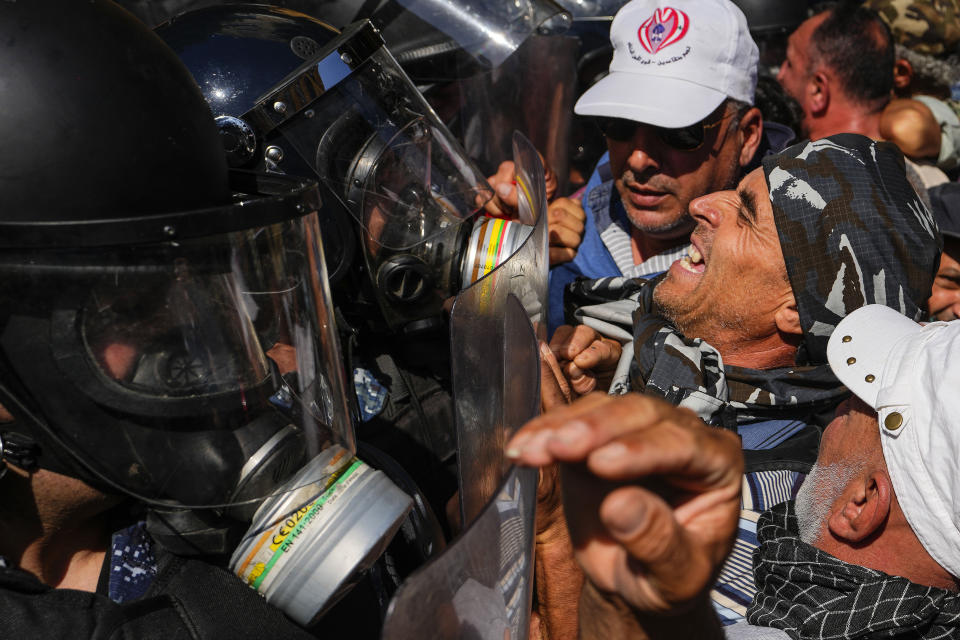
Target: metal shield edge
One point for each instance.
(484, 395)
(483, 580)
(482, 584)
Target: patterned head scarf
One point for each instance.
(853, 232)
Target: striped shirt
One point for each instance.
(614, 229)
(761, 490)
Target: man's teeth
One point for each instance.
(686, 264)
(693, 261)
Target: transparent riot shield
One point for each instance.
(592, 9)
(481, 583)
(491, 30)
(486, 420)
(532, 91)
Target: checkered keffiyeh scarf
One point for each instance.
(810, 594)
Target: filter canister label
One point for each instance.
(276, 545)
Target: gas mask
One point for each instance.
(339, 106)
(193, 364)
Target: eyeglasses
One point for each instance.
(688, 138)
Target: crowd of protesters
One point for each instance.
(774, 453)
(749, 391)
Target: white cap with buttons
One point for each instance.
(911, 375)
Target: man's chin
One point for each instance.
(668, 298)
(662, 226)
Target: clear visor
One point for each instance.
(176, 338)
(220, 358)
(383, 152)
(491, 30)
(586, 9)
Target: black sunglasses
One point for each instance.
(688, 138)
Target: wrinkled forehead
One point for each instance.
(756, 183)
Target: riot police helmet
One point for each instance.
(303, 97)
(165, 325)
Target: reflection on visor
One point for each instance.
(491, 31)
(412, 188)
(182, 338)
(378, 146)
(211, 364)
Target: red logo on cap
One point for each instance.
(663, 28)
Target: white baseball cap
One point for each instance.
(674, 62)
(911, 375)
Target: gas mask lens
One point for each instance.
(380, 148)
(183, 337)
(412, 192)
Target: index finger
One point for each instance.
(504, 184)
(570, 434)
(525, 447)
(554, 388)
(601, 354)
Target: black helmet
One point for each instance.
(291, 94)
(164, 328)
(237, 54)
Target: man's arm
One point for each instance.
(557, 576)
(651, 496)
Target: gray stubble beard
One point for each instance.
(819, 491)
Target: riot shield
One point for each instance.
(491, 31)
(481, 583)
(532, 91)
(485, 419)
(592, 9)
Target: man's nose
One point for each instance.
(644, 156)
(705, 210)
(955, 307)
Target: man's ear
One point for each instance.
(788, 318)
(818, 92)
(902, 76)
(751, 132)
(863, 507)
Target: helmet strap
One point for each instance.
(19, 450)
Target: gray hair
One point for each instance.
(822, 487)
(739, 109)
(937, 72)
